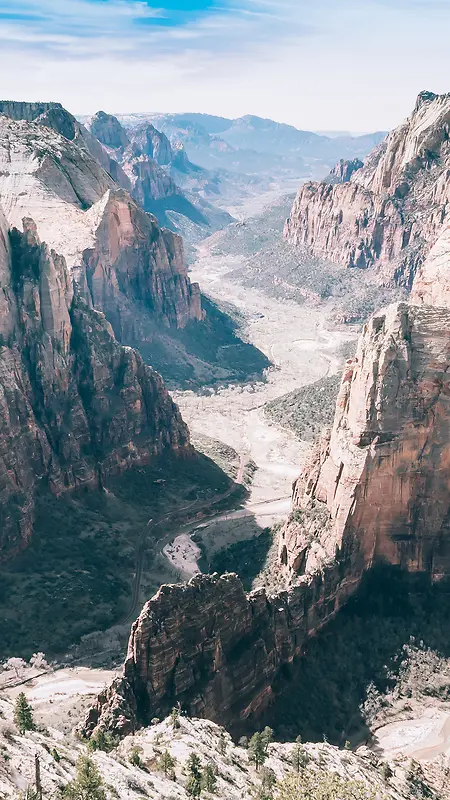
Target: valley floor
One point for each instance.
(302, 350)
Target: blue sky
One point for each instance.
(318, 64)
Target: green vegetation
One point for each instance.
(209, 780)
(257, 750)
(87, 784)
(207, 353)
(194, 773)
(308, 410)
(268, 783)
(366, 653)
(167, 763)
(299, 758)
(23, 714)
(175, 718)
(103, 740)
(75, 577)
(289, 273)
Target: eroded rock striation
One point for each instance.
(75, 406)
(214, 649)
(392, 211)
(136, 273)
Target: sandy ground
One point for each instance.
(59, 698)
(184, 555)
(423, 738)
(302, 350)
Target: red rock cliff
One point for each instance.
(384, 471)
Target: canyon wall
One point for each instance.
(375, 488)
(382, 475)
(75, 406)
(391, 212)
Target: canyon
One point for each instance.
(372, 491)
(349, 513)
(83, 410)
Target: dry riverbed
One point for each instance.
(302, 350)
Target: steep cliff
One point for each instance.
(391, 212)
(160, 176)
(136, 273)
(214, 649)
(375, 489)
(380, 480)
(108, 130)
(76, 407)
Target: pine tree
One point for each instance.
(299, 757)
(88, 783)
(257, 750)
(135, 756)
(267, 738)
(209, 780)
(167, 763)
(268, 781)
(23, 714)
(194, 781)
(103, 740)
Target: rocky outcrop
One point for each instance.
(392, 211)
(343, 171)
(213, 649)
(108, 130)
(75, 407)
(54, 116)
(147, 141)
(382, 476)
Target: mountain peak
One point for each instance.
(424, 97)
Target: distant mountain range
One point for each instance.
(252, 144)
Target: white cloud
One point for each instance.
(350, 65)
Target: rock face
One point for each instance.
(108, 130)
(375, 488)
(392, 211)
(136, 273)
(148, 141)
(153, 169)
(214, 649)
(384, 471)
(343, 171)
(75, 406)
